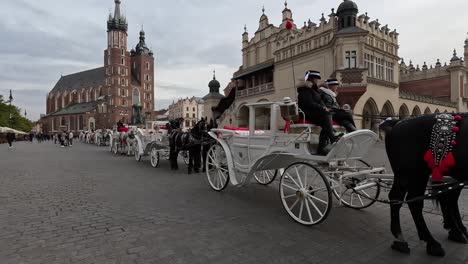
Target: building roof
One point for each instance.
(75, 81)
(77, 108)
(347, 5)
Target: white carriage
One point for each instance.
(308, 181)
(153, 141)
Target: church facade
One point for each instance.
(121, 90)
(359, 52)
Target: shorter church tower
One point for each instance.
(143, 73)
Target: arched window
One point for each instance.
(136, 97)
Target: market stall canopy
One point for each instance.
(5, 130)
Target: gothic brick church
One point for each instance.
(122, 90)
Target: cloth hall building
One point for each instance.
(121, 90)
(358, 51)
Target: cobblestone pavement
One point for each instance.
(85, 205)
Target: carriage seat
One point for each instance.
(302, 123)
(243, 131)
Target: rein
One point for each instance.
(447, 187)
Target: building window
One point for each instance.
(347, 60)
(194, 109)
(187, 109)
(123, 82)
(194, 123)
(123, 61)
(147, 66)
(194, 116)
(123, 52)
(369, 61)
(187, 115)
(118, 70)
(122, 92)
(187, 123)
(124, 102)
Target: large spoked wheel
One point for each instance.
(217, 168)
(362, 198)
(185, 157)
(305, 193)
(137, 153)
(154, 157)
(265, 177)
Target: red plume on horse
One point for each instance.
(417, 148)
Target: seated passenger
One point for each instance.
(340, 116)
(310, 102)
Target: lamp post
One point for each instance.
(10, 119)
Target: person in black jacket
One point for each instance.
(311, 104)
(10, 138)
(342, 117)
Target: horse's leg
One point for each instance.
(204, 153)
(458, 233)
(195, 152)
(190, 160)
(433, 247)
(397, 194)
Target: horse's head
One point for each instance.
(200, 127)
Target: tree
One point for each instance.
(18, 121)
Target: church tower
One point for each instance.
(143, 72)
(117, 66)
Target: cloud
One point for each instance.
(43, 39)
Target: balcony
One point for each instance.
(257, 90)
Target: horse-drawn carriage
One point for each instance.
(307, 181)
(102, 137)
(153, 141)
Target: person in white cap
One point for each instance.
(340, 116)
(316, 112)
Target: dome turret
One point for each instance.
(347, 14)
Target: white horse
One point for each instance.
(131, 142)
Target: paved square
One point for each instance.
(86, 205)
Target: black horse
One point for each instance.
(187, 141)
(408, 143)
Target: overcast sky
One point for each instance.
(40, 40)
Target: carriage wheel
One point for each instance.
(358, 199)
(185, 157)
(137, 154)
(154, 157)
(265, 177)
(216, 168)
(305, 193)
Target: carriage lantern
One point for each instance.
(289, 109)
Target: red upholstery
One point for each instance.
(123, 129)
(236, 128)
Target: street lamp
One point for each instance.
(9, 111)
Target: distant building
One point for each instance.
(190, 109)
(359, 52)
(122, 90)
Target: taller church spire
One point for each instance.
(118, 22)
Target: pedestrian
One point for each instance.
(70, 138)
(55, 138)
(10, 138)
(63, 137)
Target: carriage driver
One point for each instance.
(310, 102)
(342, 117)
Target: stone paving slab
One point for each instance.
(86, 205)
